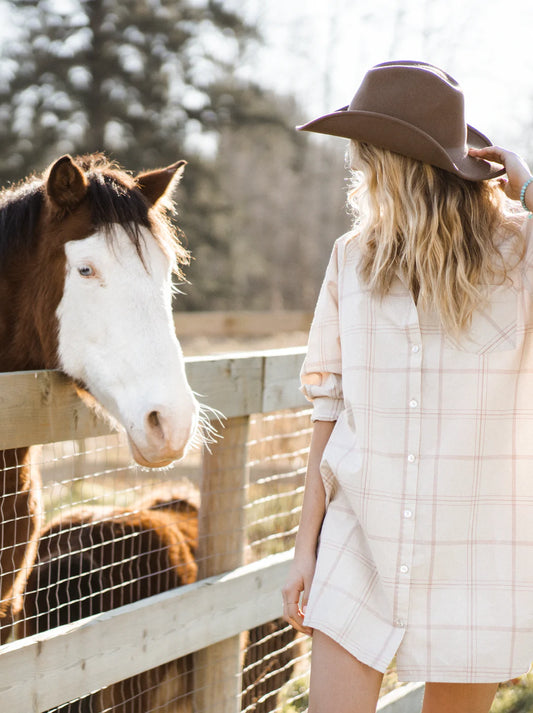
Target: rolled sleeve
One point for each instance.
(326, 396)
(321, 380)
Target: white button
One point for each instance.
(413, 403)
(408, 513)
(411, 458)
(415, 348)
(404, 569)
(399, 622)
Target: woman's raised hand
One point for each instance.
(516, 168)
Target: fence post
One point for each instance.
(221, 548)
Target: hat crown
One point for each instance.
(419, 94)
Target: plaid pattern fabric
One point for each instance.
(426, 550)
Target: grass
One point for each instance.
(515, 696)
(295, 697)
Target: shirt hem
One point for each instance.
(375, 662)
(408, 675)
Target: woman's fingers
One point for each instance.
(491, 153)
(293, 614)
(292, 611)
(516, 168)
(296, 592)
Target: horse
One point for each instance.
(94, 559)
(87, 253)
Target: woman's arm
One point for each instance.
(296, 589)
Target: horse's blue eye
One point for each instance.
(86, 271)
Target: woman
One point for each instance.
(416, 534)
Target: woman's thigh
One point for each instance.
(459, 697)
(340, 683)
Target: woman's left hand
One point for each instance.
(296, 592)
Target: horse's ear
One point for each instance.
(158, 184)
(66, 183)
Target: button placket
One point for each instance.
(406, 548)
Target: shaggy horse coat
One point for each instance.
(92, 560)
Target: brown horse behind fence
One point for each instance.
(92, 560)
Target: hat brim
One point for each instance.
(397, 135)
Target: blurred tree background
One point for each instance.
(152, 81)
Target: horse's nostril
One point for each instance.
(155, 424)
(153, 419)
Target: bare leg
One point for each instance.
(459, 697)
(340, 683)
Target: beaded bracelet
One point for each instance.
(523, 196)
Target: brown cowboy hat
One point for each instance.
(414, 109)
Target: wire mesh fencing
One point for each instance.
(276, 665)
(111, 534)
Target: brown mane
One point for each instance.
(20, 209)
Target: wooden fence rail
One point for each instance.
(48, 669)
(240, 323)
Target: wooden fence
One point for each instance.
(241, 323)
(48, 669)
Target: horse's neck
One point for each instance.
(15, 471)
(7, 326)
(20, 522)
(27, 343)
(20, 504)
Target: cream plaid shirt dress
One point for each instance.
(426, 549)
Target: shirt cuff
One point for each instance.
(326, 409)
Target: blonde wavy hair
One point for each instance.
(442, 233)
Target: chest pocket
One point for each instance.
(494, 326)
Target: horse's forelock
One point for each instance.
(112, 202)
(114, 198)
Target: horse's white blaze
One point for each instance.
(116, 335)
